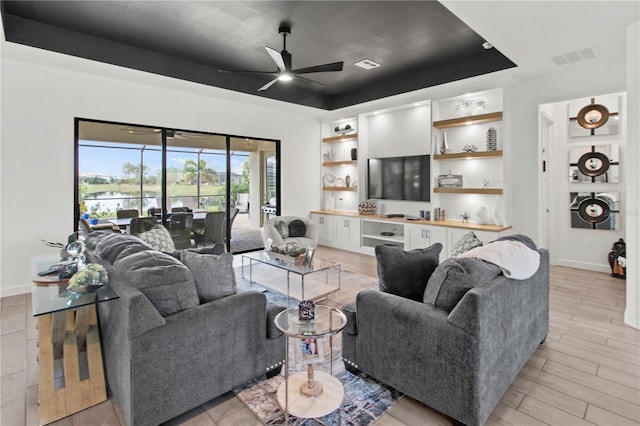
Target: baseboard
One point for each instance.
(16, 290)
(583, 265)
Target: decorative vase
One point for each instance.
(444, 147)
(306, 310)
(492, 139)
(354, 154)
(347, 181)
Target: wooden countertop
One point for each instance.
(448, 223)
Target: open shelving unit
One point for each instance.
(469, 120)
(468, 155)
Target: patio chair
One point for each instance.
(214, 229)
(153, 211)
(180, 230)
(86, 228)
(126, 213)
(242, 203)
(180, 210)
(142, 224)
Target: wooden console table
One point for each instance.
(69, 351)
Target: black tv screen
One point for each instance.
(399, 178)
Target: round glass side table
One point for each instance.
(310, 394)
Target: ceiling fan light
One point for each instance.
(285, 77)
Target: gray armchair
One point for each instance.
(273, 228)
(458, 360)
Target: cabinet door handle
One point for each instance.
(346, 223)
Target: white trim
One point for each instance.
(15, 290)
(570, 263)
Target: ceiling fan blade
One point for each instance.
(269, 84)
(335, 66)
(250, 72)
(309, 81)
(277, 58)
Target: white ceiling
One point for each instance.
(530, 33)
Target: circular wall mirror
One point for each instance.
(593, 116)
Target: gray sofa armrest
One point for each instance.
(350, 312)
(273, 309)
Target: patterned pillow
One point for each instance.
(466, 243)
(283, 229)
(158, 238)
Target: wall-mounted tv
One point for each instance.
(399, 178)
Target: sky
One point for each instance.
(108, 162)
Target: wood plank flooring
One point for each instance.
(586, 373)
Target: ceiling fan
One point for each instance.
(283, 62)
(170, 132)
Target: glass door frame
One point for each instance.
(164, 149)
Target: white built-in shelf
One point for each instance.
(465, 121)
(466, 155)
(342, 138)
(488, 191)
(338, 188)
(340, 163)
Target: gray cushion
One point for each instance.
(213, 274)
(465, 243)
(453, 278)
(217, 248)
(158, 238)
(110, 247)
(297, 228)
(282, 228)
(165, 281)
(405, 273)
(133, 248)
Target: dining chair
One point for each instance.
(180, 209)
(214, 229)
(180, 229)
(142, 224)
(153, 211)
(127, 213)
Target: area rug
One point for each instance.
(365, 399)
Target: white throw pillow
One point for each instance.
(158, 238)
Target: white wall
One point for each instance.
(39, 103)
(396, 133)
(579, 247)
(631, 174)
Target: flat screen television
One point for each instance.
(399, 178)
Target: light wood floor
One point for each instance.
(587, 372)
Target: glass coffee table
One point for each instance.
(287, 263)
(69, 350)
(310, 394)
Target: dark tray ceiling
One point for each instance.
(418, 43)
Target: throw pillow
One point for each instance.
(283, 229)
(165, 281)
(405, 273)
(297, 228)
(213, 274)
(453, 278)
(158, 238)
(466, 243)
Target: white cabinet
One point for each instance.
(347, 232)
(338, 231)
(422, 236)
(326, 226)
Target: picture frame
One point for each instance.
(308, 256)
(309, 350)
(450, 181)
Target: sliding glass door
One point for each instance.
(165, 172)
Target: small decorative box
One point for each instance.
(306, 310)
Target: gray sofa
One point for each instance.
(178, 336)
(456, 356)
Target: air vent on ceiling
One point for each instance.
(571, 57)
(367, 64)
